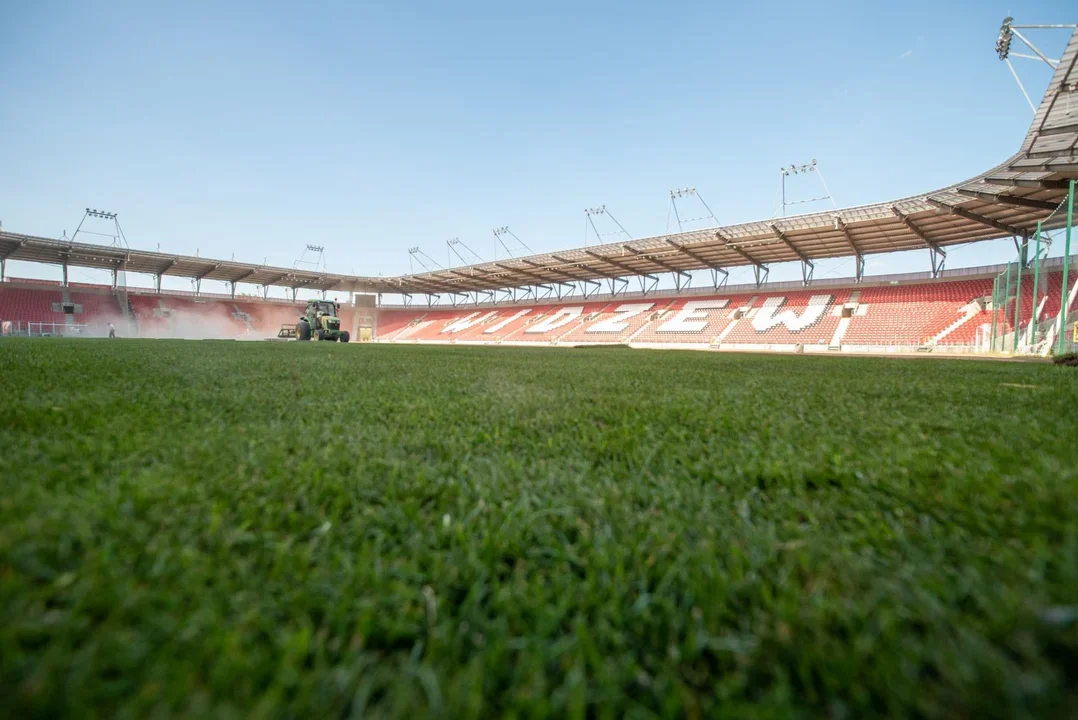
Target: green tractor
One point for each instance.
(321, 321)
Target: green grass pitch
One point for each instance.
(313, 530)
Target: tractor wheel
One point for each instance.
(303, 330)
(344, 336)
(320, 334)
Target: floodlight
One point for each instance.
(1003, 42)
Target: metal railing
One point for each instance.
(51, 329)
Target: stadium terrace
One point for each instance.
(1020, 197)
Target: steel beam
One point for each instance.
(678, 274)
(859, 257)
(276, 280)
(807, 266)
(1059, 130)
(555, 271)
(21, 244)
(522, 271)
(610, 261)
(936, 254)
(425, 286)
(905, 220)
(760, 270)
(483, 282)
(585, 277)
(698, 258)
(622, 284)
(1009, 200)
(594, 283)
(1025, 182)
(200, 276)
(786, 241)
(975, 217)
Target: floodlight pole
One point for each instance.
(319, 262)
(1007, 32)
(452, 244)
(590, 213)
(418, 255)
(687, 192)
(117, 235)
(798, 170)
(504, 230)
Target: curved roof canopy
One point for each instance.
(1007, 200)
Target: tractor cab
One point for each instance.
(320, 308)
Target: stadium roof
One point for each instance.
(1007, 200)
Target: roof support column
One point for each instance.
(265, 291)
(3, 270)
(157, 283)
(859, 259)
(806, 265)
(683, 280)
(761, 272)
(644, 287)
(65, 273)
(935, 253)
(938, 258)
(198, 287)
(618, 285)
(583, 287)
(715, 281)
(293, 293)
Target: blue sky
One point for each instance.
(252, 129)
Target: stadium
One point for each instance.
(510, 494)
(586, 296)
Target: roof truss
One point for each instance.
(1009, 199)
(962, 212)
(665, 266)
(786, 241)
(916, 230)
